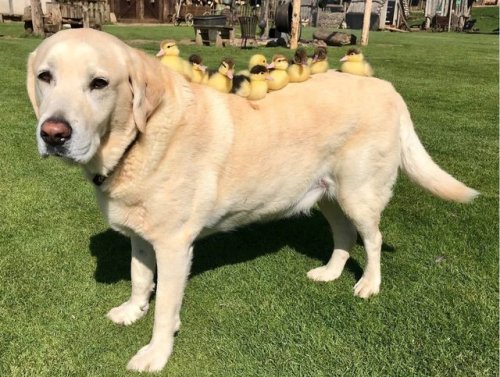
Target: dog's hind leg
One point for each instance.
(369, 284)
(363, 204)
(142, 272)
(344, 237)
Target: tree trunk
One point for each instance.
(265, 16)
(37, 17)
(366, 22)
(294, 34)
(140, 10)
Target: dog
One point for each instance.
(173, 161)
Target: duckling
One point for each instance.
(199, 71)
(299, 71)
(319, 62)
(169, 54)
(257, 59)
(278, 73)
(259, 75)
(354, 63)
(241, 85)
(222, 79)
(253, 87)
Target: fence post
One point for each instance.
(366, 22)
(294, 34)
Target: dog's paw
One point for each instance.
(127, 313)
(366, 287)
(150, 358)
(324, 273)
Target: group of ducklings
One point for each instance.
(261, 76)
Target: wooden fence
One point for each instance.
(76, 14)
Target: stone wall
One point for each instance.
(330, 20)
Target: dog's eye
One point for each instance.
(45, 76)
(98, 83)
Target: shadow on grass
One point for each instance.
(308, 235)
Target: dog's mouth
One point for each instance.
(59, 151)
(70, 151)
(63, 152)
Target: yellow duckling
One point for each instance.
(169, 54)
(199, 71)
(299, 71)
(253, 87)
(222, 79)
(278, 73)
(259, 75)
(319, 62)
(354, 63)
(257, 59)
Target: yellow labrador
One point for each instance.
(172, 161)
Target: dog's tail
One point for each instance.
(418, 165)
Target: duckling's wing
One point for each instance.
(211, 72)
(238, 82)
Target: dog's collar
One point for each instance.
(99, 179)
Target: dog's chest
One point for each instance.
(126, 218)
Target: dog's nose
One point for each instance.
(55, 132)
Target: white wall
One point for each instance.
(16, 6)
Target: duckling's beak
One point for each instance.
(229, 75)
(161, 52)
(269, 66)
(344, 59)
(203, 68)
(315, 58)
(270, 78)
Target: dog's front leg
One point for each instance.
(173, 263)
(142, 272)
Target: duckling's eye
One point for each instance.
(224, 65)
(45, 76)
(98, 83)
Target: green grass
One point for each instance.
(249, 309)
(486, 18)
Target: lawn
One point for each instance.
(249, 308)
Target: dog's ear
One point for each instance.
(147, 87)
(30, 83)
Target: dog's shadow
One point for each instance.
(309, 235)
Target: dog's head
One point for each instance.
(81, 84)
